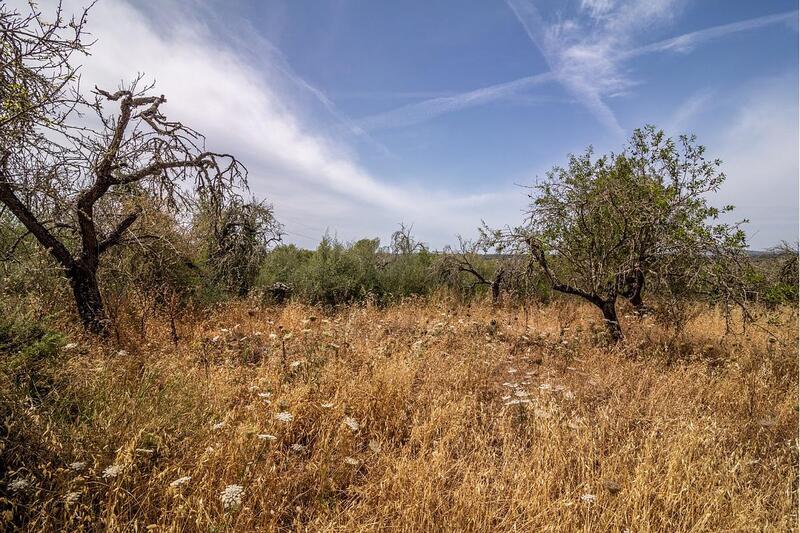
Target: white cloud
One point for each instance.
(586, 53)
(428, 109)
(687, 42)
(683, 117)
(759, 150)
(315, 182)
(583, 51)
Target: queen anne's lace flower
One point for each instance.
(351, 461)
(72, 497)
(112, 471)
(19, 485)
(352, 423)
(231, 497)
(589, 498)
(180, 481)
(284, 416)
(78, 466)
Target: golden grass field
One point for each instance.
(417, 417)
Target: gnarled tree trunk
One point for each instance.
(88, 300)
(495, 285)
(609, 309)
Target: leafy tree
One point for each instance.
(608, 227)
(77, 172)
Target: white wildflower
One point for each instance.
(520, 393)
(72, 497)
(231, 497)
(517, 402)
(264, 436)
(273, 336)
(351, 461)
(512, 370)
(284, 416)
(375, 446)
(218, 426)
(112, 471)
(122, 353)
(327, 405)
(545, 386)
(20, 485)
(70, 346)
(297, 447)
(180, 481)
(352, 423)
(77, 466)
(264, 394)
(295, 364)
(569, 395)
(589, 498)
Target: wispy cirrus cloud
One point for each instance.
(582, 51)
(585, 53)
(245, 104)
(688, 41)
(434, 107)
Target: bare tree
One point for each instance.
(77, 171)
(404, 243)
(465, 260)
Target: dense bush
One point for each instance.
(337, 273)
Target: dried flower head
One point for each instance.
(231, 497)
(352, 423)
(180, 481)
(20, 485)
(112, 471)
(77, 466)
(284, 416)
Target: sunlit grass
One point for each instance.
(418, 417)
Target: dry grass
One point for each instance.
(602, 440)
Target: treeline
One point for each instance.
(133, 214)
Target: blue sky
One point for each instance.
(355, 115)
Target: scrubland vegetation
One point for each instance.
(618, 361)
(417, 417)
